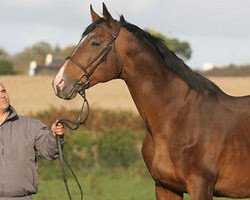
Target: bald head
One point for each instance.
(4, 100)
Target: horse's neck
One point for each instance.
(152, 85)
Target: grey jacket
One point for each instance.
(22, 140)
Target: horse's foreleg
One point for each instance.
(164, 194)
(148, 155)
(200, 188)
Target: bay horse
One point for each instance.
(198, 138)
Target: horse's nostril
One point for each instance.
(60, 84)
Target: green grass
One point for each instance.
(102, 186)
(99, 187)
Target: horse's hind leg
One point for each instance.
(164, 194)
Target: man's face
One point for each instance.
(4, 99)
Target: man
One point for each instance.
(22, 139)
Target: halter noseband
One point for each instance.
(101, 56)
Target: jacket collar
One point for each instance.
(12, 115)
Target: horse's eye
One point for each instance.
(95, 44)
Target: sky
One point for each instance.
(217, 30)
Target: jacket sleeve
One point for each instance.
(45, 142)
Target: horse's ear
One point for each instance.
(106, 15)
(94, 15)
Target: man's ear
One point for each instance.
(94, 15)
(106, 15)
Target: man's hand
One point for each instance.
(57, 128)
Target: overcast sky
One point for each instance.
(217, 30)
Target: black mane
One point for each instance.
(173, 62)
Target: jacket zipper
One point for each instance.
(3, 168)
(2, 171)
(2, 163)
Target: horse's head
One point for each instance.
(93, 60)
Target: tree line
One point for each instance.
(19, 63)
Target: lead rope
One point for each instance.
(62, 161)
(72, 126)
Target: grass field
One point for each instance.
(96, 187)
(34, 94)
(122, 187)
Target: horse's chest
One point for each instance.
(165, 168)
